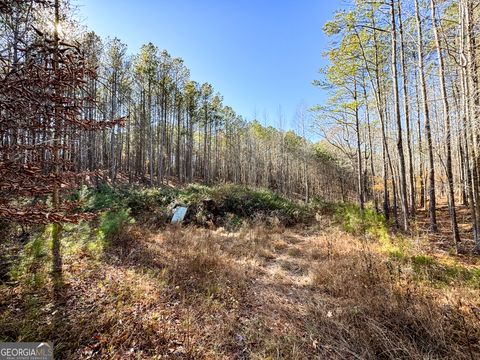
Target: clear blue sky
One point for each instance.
(259, 54)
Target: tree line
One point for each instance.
(404, 105)
(76, 107)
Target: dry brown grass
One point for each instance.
(190, 293)
(379, 312)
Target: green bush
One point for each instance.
(247, 202)
(97, 199)
(137, 199)
(113, 223)
(148, 199)
(358, 222)
(194, 193)
(242, 201)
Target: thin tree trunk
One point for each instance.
(432, 199)
(396, 98)
(56, 245)
(361, 199)
(446, 115)
(406, 110)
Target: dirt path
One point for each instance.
(257, 293)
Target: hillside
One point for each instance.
(283, 281)
(240, 179)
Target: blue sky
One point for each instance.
(260, 55)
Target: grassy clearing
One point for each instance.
(339, 288)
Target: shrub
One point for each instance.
(241, 201)
(97, 199)
(113, 223)
(149, 199)
(356, 222)
(247, 202)
(194, 193)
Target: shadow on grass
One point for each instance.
(193, 293)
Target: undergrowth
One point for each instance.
(373, 226)
(234, 203)
(348, 290)
(367, 222)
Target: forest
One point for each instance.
(352, 234)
